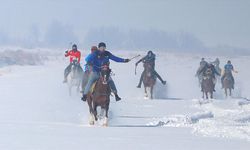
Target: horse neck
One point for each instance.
(100, 87)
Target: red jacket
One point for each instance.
(74, 55)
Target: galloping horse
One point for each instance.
(100, 96)
(149, 79)
(74, 78)
(207, 83)
(228, 83)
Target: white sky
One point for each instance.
(215, 22)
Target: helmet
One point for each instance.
(74, 47)
(93, 48)
(150, 52)
(202, 59)
(101, 45)
(229, 61)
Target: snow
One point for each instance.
(36, 111)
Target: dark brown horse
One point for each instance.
(100, 96)
(149, 79)
(228, 83)
(207, 83)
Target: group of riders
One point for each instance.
(216, 71)
(99, 57)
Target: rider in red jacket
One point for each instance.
(74, 55)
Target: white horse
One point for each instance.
(74, 78)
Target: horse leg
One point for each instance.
(145, 90)
(95, 112)
(230, 90)
(151, 92)
(206, 95)
(91, 118)
(226, 92)
(212, 95)
(106, 115)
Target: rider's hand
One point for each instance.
(136, 64)
(66, 52)
(126, 60)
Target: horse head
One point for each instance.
(74, 65)
(208, 73)
(105, 73)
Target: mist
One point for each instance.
(140, 24)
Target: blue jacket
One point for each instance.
(98, 58)
(228, 67)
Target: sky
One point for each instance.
(214, 22)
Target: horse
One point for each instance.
(74, 78)
(228, 83)
(100, 96)
(207, 83)
(149, 79)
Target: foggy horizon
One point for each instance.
(199, 24)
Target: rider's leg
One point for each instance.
(233, 80)
(159, 77)
(141, 78)
(66, 73)
(222, 79)
(92, 78)
(85, 78)
(113, 89)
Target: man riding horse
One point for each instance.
(74, 54)
(202, 72)
(228, 69)
(149, 59)
(87, 69)
(97, 59)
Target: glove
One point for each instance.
(66, 52)
(136, 64)
(126, 60)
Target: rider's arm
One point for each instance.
(90, 57)
(115, 58)
(67, 53)
(140, 61)
(79, 57)
(234, 70)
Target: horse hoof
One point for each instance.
(91, 123)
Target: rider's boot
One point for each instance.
(139, 86)
(117, 98)
(164, 82)
(84, 98)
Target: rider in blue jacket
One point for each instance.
(228, 68)
(96, 60)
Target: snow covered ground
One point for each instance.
(37, 113)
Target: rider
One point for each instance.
(73, 54)
(149, 58)
(97, 59)
(87, 69)
(228, 68)
(216, 63)
(202, 72)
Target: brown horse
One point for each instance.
(148, 79)
(100, 96)
(207, 83)
(228, 83)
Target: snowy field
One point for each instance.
(37, 113)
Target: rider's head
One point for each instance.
(74, 47)
(229, 62)
(150, 53)
(93, 49)
(102, 46)
(202, 59)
